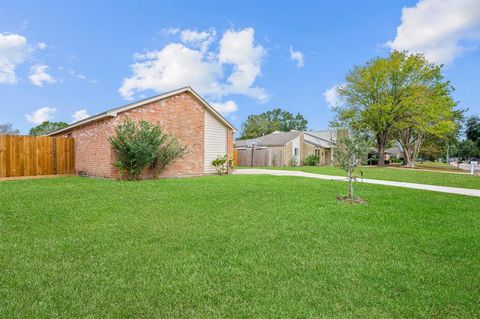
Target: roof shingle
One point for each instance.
(272, 139)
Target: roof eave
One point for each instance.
(114, 112)
(82, 122)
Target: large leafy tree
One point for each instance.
(431, 117)
(401, 94)
(47, 127)
(275, 120)
(7, 129)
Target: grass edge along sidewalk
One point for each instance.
(390, 174)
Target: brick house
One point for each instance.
(182, 113)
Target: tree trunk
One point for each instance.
(404, 139)
(381, 141)
(350, 185)
(407, 159)
(381, 153)
(417, 145)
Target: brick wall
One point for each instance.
(181, 115)
(93, 154)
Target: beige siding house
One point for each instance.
(286, 148)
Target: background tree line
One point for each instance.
(257, 125)
(41, 129)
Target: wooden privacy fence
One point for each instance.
(235, 157)
(36, 155)
(260, 157)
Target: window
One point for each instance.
(296, 151)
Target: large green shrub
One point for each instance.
(169, 150)
(311, 160)
(141, 145)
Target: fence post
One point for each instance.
(54, 155)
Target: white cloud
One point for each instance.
(191, 63)
(41, 115)
(77, 75)
(170, 31)
(170, 68)
(80, 76)
(38, 75)
(79, 115)
(331, 96)
(226, 107)
(41, 45)
(197, 39)
(297, 56)
(14, 49)
(441, 29)
(238, 49)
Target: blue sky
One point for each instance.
(63, 60)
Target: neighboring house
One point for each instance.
(321, 143)
(182, 113)
(286, 148)
(393, 153)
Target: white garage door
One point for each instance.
(215, 141)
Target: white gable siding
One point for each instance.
(296, 145)
(215, 141)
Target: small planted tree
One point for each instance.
(141, 145)
(351, 150)
(222, 164)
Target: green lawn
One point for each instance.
(437, 166)
(395, 174)
(235, 246)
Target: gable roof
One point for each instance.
(326, 135)
(113, 112)
(318, 143)
(321, 138)
(272, 139)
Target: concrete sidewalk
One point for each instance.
(433, 188)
